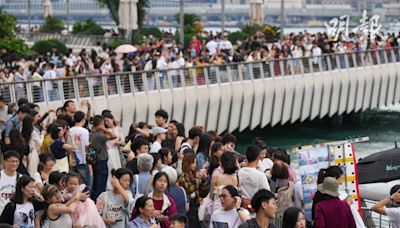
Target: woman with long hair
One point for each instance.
(217, 149)
(114, 205)
(32, 139)
(195, 185)
(143, 214)
(17, 143)
(19, 211)
(164, 205)
(114, 159)
(293, 218)
(203, 151)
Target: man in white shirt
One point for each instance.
(212, 46)
(225, 45)
(392, 212)
(81, 137)
(160, 134)
(162, 66)
(250, 179)
(193, 140)
(8, 177)
(316, 52)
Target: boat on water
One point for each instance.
(378, 173)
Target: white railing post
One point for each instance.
(145, 83)
(75, 85)
(119, 86)
(328, 61)
(261, 70)
(229, 72)
(271, 68)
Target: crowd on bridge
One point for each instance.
(71, 167)
(166, 54)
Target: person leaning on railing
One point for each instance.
(390, 206)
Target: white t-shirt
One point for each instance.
(394, 216)
(155, 147)
(184, 146)
(265, 164)
(212, 47)
(50, 74)
(251, 181)
(225, 45)
(81, 137)
(7, 189)
(24, 215)
(228, 218)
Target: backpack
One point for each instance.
(285, 199)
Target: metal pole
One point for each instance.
(29, 16)
(282, 17)
(223, 16)
(181, 22)
(67, 16)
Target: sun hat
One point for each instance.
(330, 186)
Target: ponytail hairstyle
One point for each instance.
(140, 203)
(331, 171)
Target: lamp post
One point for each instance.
(29, 16)
(67, 16)
(282, 17)
(223, 16)
(181, 22)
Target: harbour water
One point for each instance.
(382, 127)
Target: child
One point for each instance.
(178, 221)
(85, 213)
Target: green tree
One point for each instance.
(113, 6)
(53, 24)
(8, 24)
(88, 27)
(189, 19)
(45, 46)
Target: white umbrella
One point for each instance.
(123, 14)
(48, 12)
(125, 48)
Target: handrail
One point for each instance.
(93, 85)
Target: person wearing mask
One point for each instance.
(390, 206)
(231, 214)
(114, 205)
(264, 206)
(143, 214)
(160, 135)
(98, 139)
(164, 205)
(293, 218)
(19, 211)
(250, 179)
(332, 212)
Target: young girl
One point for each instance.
(85, 213)
(115, 205)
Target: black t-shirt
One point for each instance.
(252, 223)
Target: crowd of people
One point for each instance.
(166, 54)
(70, 168)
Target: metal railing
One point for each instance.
(95, 85)
(372, 219)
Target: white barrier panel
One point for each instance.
(353, 76)
(128, 112)
(58, 104)
(178, 105)
(236, 108)
(202, 105)
(248, 94)
(213, 107)
(190, 108)
(298, 82)
(225, 107)
(369, 78)
(375, 86)
(278, 100)
(258, 103)
(397, 88)
(269, 89)
(326, 94)
(288, 99)
(141, 107)
(307, 98)
(392, 84)
(335, 95)
(98, 104)
(360, 89)
(154, 104)
(114, 104)
(344, 91)
(166, 100)
(317, 94)
(385, 75)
